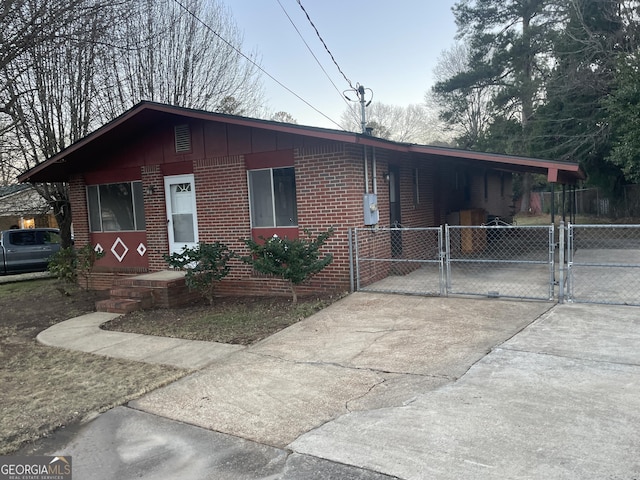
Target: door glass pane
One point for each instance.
(182, 212)
(261, 200)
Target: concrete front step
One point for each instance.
(118, 305)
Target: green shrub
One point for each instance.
(70, 265)
(292, 260)
(205, 265)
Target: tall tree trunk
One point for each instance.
(62, 212)
(526, 99)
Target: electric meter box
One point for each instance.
(371, 213)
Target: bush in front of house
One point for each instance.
(205, 265)
(70, 265)
(292, 260)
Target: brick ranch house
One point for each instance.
(160, 177)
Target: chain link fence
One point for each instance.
(592, 202)
(399, 260)
(603, 264)
(501, 261)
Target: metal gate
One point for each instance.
(501, 261)
(603, 264)
(399, 260)
(494, 261)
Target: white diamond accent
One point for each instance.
(115, 253)
(141, 249)
(98, 248)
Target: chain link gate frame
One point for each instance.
(603, 264)
(596, 263)
(494, 261)
(506, 261)
(398, 260)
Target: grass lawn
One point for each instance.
(46, 388)
(238, 320)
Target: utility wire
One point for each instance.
(325, 46)
(313, 54)
(249, 59)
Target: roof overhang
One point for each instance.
(144, 115)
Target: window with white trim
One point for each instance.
(272, 194)
(115, 207)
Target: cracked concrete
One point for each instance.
(367, 351)
(381, 386)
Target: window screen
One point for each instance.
(116, 207)
(261, 198)
(284, 194)
(273, 197)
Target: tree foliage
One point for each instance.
(414, 123)
(292, 260)
(560, 77)
(180, 53)
(465, 106)
(68, 66)
(623, 107)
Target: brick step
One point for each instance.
(142, 282)
(143, 295)
(131, 292)
(168, 289)
(118, 305)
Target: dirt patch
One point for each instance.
(46, 388)
(237, 320)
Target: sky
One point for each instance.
(388, 46)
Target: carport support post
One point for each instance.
(564, 208)
(561, 265)
(351, 272)
(553, 203)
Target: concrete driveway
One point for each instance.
(409, 387)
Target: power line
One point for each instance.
(312, 54)
(325, 46)
(259, 67)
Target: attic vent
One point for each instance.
(183, 138)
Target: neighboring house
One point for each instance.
(160, 177)
(22, 207)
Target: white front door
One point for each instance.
(182, 220)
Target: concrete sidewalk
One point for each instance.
(85, 335)
(384, 385)
(23, 277)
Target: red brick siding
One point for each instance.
(78, 200)
(330, 185)
(223, 206)
(155, 213)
